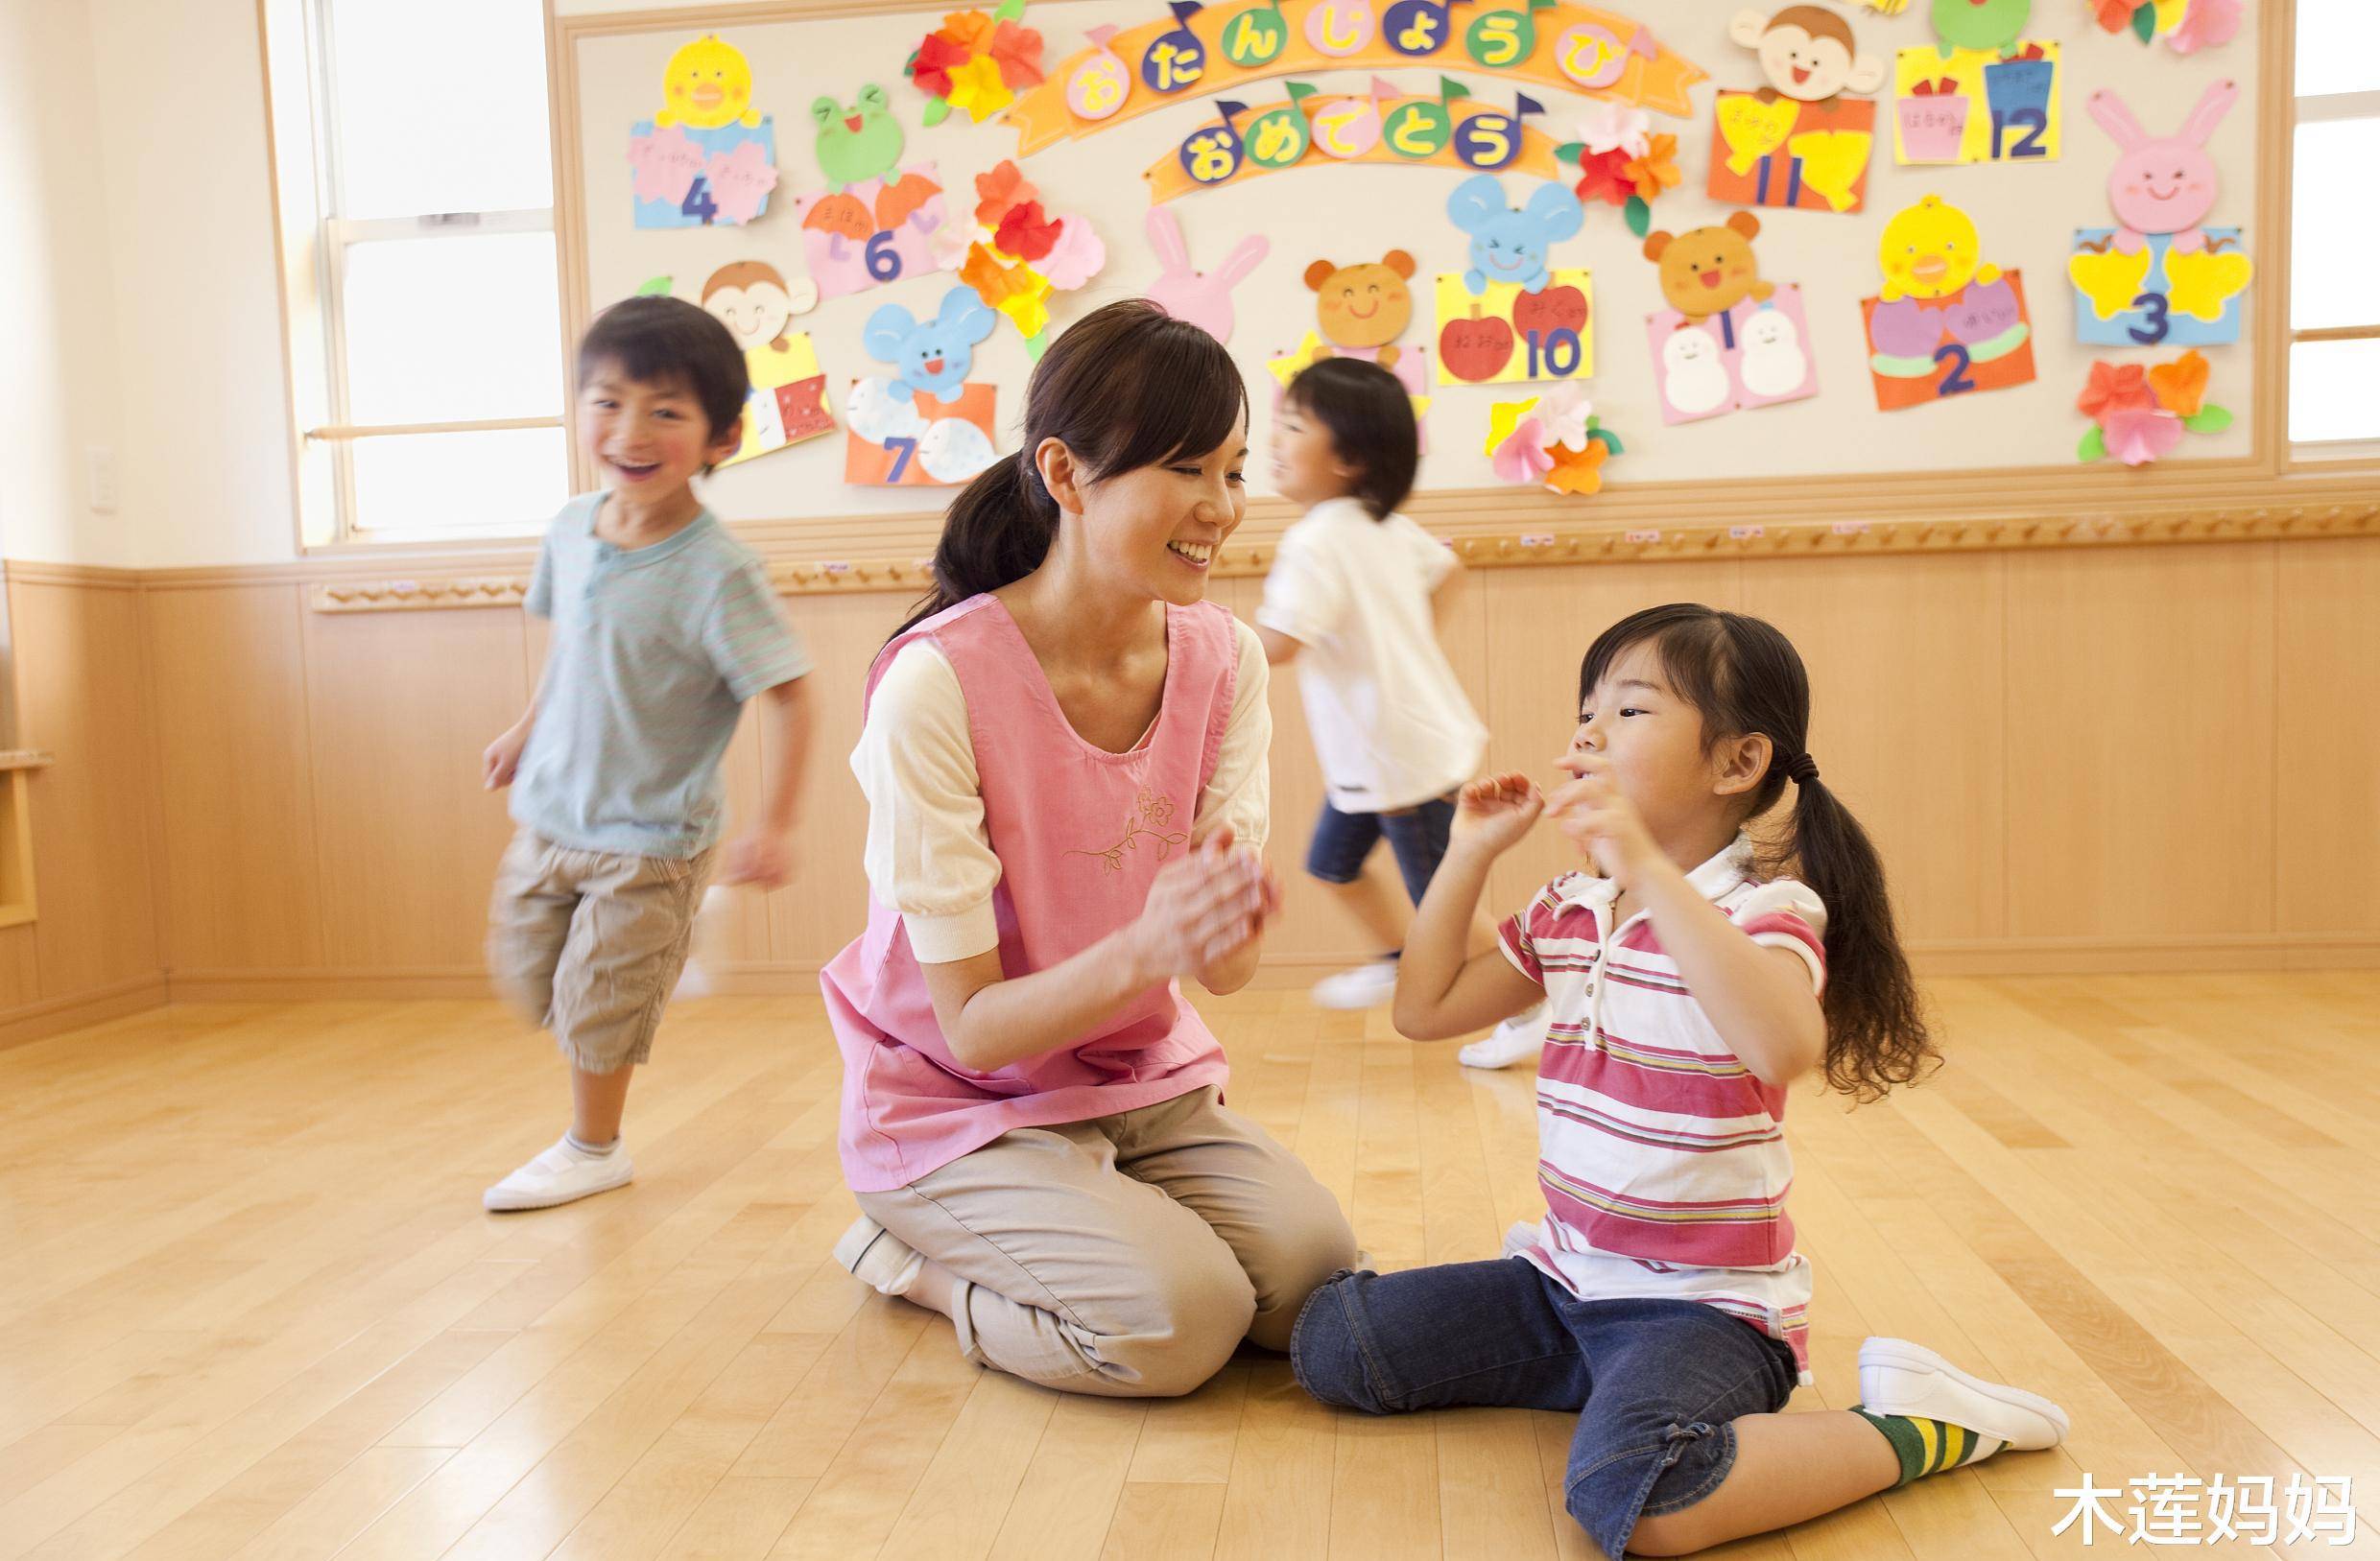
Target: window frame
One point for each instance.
(2318, 108)
(311, 243)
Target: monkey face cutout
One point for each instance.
(1807, 53)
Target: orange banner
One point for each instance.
(1567, 47)
(1170, 175)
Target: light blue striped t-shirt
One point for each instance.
(654, 651)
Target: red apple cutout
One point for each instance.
(1550, 309)
(1476, 349)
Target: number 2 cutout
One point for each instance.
(1956, 383)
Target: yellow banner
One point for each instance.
(1567, 47)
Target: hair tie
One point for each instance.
(1801, 770)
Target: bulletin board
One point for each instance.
(609, 67)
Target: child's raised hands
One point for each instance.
(1496, 810)
(1602, 824)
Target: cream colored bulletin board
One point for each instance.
(609, 68)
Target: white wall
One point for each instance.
(58, 332)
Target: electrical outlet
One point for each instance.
(103, 477)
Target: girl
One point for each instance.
(1662, 1295)
(1352, 595)
(1065, 762)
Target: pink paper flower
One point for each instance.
(741, 181)
(1610, 128)
(2208, 24)
(2138, 435)
(1521, 459)
(1078, 254)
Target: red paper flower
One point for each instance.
(1017, 50)
(1025, 232)
(2114, 388)
(2115, 15)
(1002, 189)
(1602, 175)
(937, 58)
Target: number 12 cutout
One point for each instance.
(1971, 106)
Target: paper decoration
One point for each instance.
(2187, 26)
(1381, 125)
(1222, 48)
(1361, 310)
(1021, 253)
(1944, 324)
(705, 157)
(1553, 441)
(1751, 355)
(872, 234)
(976, 62)
(931, 357)
(788, 399)
(1204, 299)
(1507, 336)
(898, 440)
(2140, 415)
(1986, 94)
(860, 142)
(1797, 141)
(2161, 277)
(1622, 163)
(1509, 246)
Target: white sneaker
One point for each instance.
(1365, 986)
(560, 1174)
(878, 1258)
(1518, 1039)
(1899, 1377)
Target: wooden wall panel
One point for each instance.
(243, 886)
(407, 836)
(82, 697)
(1907, 703)
(2327, 756)
(2140, 742)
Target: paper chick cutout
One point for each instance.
(707, 85)
(1553, 441)
(787, 403)
(1947, 322)
(706, 156)
(2161, 277)
(2139, 414)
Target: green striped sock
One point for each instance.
(1928, 1447)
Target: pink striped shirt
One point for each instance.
(1662, 1158)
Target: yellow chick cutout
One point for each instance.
(708, 84)
(1930, 250)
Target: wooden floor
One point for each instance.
(250, 1307)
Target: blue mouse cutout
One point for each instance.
(1509, 246)
(932, 355)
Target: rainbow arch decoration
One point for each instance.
(1383, 124)
(1553, 44)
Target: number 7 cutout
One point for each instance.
(1506, 337)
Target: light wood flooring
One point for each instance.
(249, 1305)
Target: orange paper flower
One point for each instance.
(969, 30)
(1004, 187)
(2113, 387)
(1576, 471)
(1656, 170)
(2180, 385)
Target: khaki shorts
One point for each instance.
(589, 944)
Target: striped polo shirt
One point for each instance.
(1662, 1158)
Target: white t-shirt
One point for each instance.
(1390, 722)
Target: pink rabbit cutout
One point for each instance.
(2162, 184)
(1202, 298)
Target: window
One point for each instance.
(417, 224)
(2334, 314)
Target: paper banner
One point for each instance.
(874, 234)
(2156, 295)
(1976, 105)
(1564, 47)
(1506, 337)
(1782, 153)
(690, 176)
(788, 399)
(1755, 355)
(896, 439)
(1381, 127)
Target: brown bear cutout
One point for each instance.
(1709, 271)
(1363, 305)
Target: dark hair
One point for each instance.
(1371, 420)
(1744, 678)
(1125, 386)
(658, 340)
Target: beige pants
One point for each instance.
(1126, 1256)
(590, 944)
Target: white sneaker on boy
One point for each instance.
(563, 1173)
(1365, 986)
(1518, 1039)
(1896, 1377)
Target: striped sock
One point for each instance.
(1928, 1447)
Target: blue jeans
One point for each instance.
(1417, 835)
(1656, 1383)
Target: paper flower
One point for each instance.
(1076, 256)
(1602, 175)
(975, 87)
(1656, 170)
(1025, 232)
(936, 57)
(1521, 459)
(1577, 469)
(741, 181)
(2136, 437)
(666, 163)
(1005, 186)
(969, 30)
(1018, 51)
(2114, 388)
(2208, 24)
(1553, 441)
(2180, 385)
(2115, 15)
(1609, 126)
(1565, 412)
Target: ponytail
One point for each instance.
(1743, 677)
(1125, 386)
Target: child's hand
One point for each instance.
(502, 760)
(1496, 812)
(763, 858)
(1202, 907)
(1604, 825)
